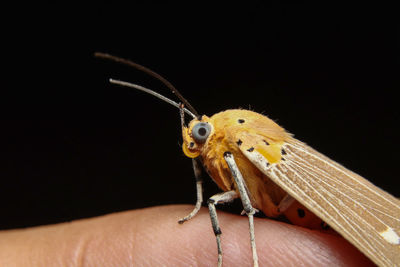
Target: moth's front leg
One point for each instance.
(244, 196)
(212, 201)
(199, 189)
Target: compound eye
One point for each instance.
(201, 131)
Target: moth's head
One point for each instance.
(196, 135)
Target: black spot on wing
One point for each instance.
(266, 142)
(251, 149)
(240, 121)
(283, 152)
(239, 142)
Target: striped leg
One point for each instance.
(199, 187)
(214, 200)
(244, 196)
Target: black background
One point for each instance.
(73, 146)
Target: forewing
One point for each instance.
(364, 214)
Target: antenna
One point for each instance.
(151, 73)
(151, 92)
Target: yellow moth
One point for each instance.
(251, 157)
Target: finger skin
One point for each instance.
(152, 237)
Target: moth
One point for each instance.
(251, 157)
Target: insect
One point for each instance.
(251, 157)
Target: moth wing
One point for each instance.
(365, 215)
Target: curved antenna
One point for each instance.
(151, 92)
(151, 73)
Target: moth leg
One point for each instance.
(285, 203)
(244, 196)
(212, 201)
(199, 191)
